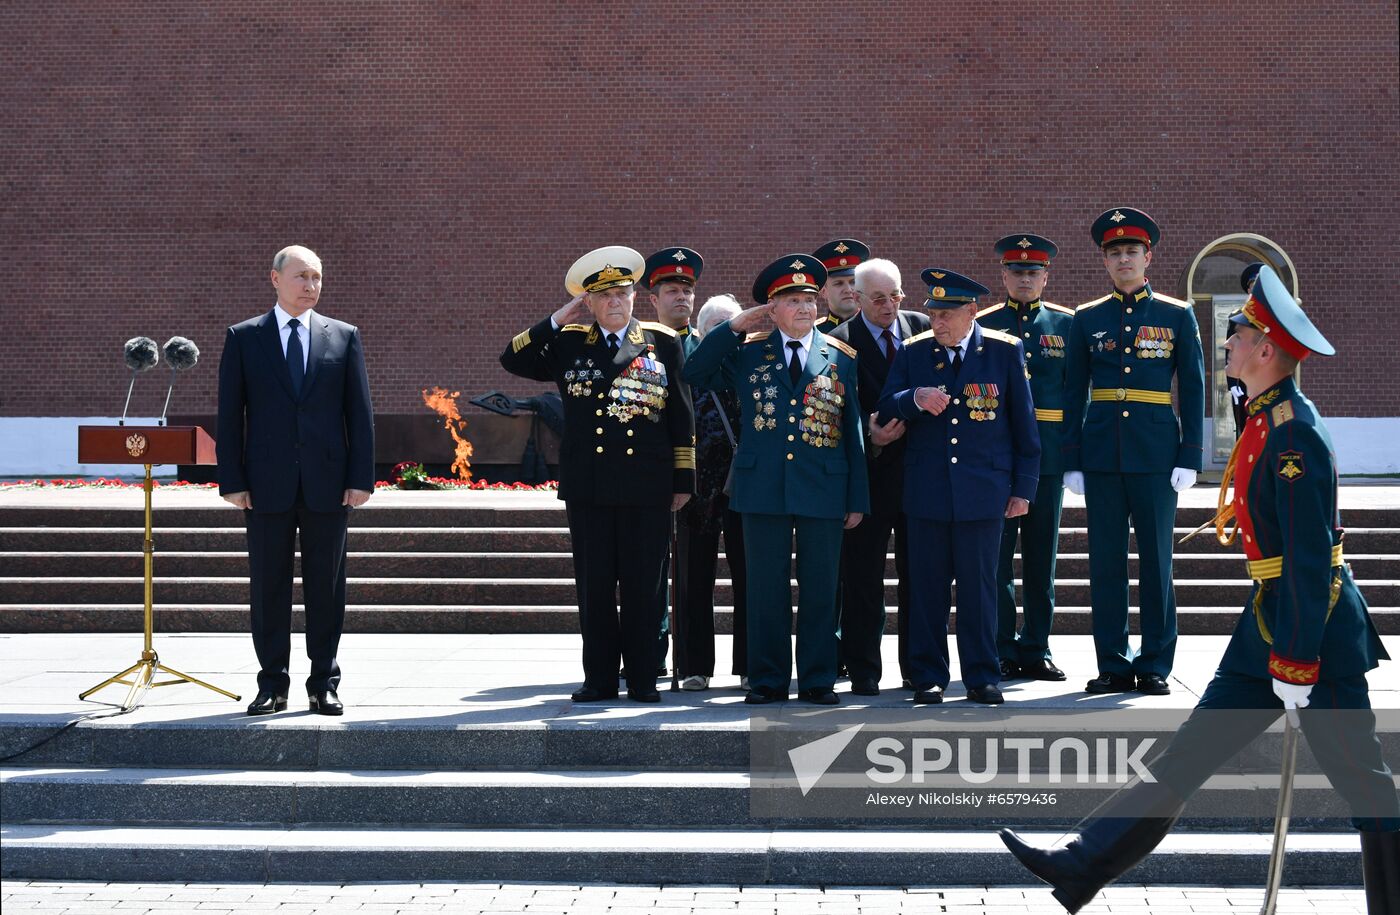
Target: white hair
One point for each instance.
(298, 251)
(877, 266)
(717, 308)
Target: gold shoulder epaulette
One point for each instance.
(756, 336)
(582, 328)
(1283, 413)
(998, 335)
(1099, 301)
(991, 308)
(928, 334)
(1060, 308)
(1170, 301)
(657, 327)
(842, 346)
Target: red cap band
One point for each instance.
(678, 272)
(845, 262)
(790, 279)
(1126, 233)
(1259, 316)
(1030, 256)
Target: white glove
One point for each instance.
(1183, 479)
(1074, 481)
(1293, 695)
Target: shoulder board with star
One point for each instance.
(756, 336)
(1053, 307)
(841, 345)
(1170, 301)
(581, 328)
(926, 335)
(990, 334)
(657, 327)
(990, 309)
(1088, 305)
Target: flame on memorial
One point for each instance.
(445, 405)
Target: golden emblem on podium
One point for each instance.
(136, 444)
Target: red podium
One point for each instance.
(148, 445)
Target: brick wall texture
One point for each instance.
(449, 160)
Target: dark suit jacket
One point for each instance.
(269, 441)
(885, 465)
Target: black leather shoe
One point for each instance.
(1110, 683)
(762, 695)
(1044, 669)
(266, 703)
(662, 673)
(931, 696)
(589, 694)
(865, 686)
(1153, 685)
(987, 695)
(1010, 670)
(819, 696)
(643, 695)
(326, 702)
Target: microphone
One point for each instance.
(180, 354)
(140, 354)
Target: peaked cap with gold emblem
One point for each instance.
(1125, 224)
(947, 289)
(676, 264)
(801, 272)
(841, 256)
(603, 268)
(1025, 251)
(1272, 310)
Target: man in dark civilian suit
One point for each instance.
(296, 451)
(876, 333)
(972, 460)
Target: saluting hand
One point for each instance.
(889, 432)
(749, 319)
(1016, 507)
(931, 400)
(574, 312)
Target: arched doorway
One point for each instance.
(1213, 281)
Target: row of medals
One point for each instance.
(764, 409)
(580, 379)
(1154, 349)
(637, 392)
(982, 408)
(821, 406)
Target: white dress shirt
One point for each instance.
(964, 343)
(804, 344)
(303, 328)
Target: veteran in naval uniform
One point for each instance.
(1305, 639)
(840, 258)
(626, 463)
(799, 468)
(972, 460)
(1043, 329)
(1128, 452)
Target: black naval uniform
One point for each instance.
(628, 448)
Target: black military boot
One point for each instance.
(1380, 871)
(1105, 851)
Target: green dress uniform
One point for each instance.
(1304, 623)
(1120, 430)
(799, 467)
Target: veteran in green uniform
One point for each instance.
(1127, 451)
(1043, 329)
(799, 468)
(1304, 641)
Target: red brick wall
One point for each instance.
(449, 160)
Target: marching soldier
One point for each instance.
(1304, 641)
(671, 274)
(877, 333)
(840, 258)
(1124, 349)
(972, 458)
(1043, 329)
(627, 460)
(800, 467)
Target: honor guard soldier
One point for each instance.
(877, 333)
(1127, 452)
(840, 258)
(1305, 639)
(670, 275)
(972, 459)
(800, 466)
(1043, 329)
(626, 462)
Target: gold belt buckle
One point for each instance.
(1120, 394)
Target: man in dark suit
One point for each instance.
(626, 463)
(296, 451)
(876, 333)
(973, 458)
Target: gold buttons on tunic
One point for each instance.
(955, 420)
(791, 437)
(954, 460)
(629, 450)
(600, 449)
(955, 441)
(629, 433)
(1125, 414)
(1127, 370)
(599, 430)
(789, 455)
